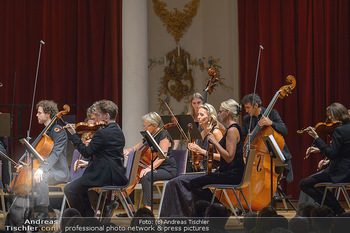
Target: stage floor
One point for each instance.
(233, 225)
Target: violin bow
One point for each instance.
(174, 119)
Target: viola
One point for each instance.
(194, 157)
(83, 127)
(43, 145)
(210, 154)
(323, 129)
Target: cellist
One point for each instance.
(56, 170)
(253, 106)
(163, 169)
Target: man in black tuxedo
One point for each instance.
(338, 153)
(106, 165)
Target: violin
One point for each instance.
(83, 127)
(323, 129)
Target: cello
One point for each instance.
(146, 157)
(43, 144)
(260, 182)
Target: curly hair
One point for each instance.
(49, 106)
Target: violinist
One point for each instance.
(253, 106)
(184, 191)
(56, 171)
(338, 153)
(195, 101)
(207, 119)
(163, 169)
(230, 153)
(106, 165)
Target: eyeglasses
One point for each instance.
(146, 126)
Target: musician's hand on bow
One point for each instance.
(311, 131)
(322, 163)
(144, 171)
(265, 121)
(19, 167)
(312, 150)
(38, 175)
(71, 129)
(80, 163)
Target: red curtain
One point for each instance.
(308, 39)
(80, 61)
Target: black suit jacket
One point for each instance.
(106, 166)
(279, 126)
(338, 153)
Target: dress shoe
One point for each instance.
(109, 209)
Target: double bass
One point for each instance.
(43, 144)
(260, 182)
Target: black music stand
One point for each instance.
(155, 149)
(276, 155)
(34, 155)
(5, 126)
(183, 120)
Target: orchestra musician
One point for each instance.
(184, 191)
(163, 169)
(338, 153)
(56, 170)
(207, 119)
(230, 153)
(195, 101)
(106, 165)
(253, 106)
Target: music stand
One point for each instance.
(276, 155)
(155, 149)
(34, 155)
(5, 129)
(183, 120)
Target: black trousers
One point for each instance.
(215, 178)
(307, 186)
(158, 174)
(77, 196)
(42, 188)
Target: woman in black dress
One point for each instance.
(163, 169)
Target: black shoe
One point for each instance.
(109, 209)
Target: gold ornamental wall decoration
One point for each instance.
(178, 80)
(176, 22)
